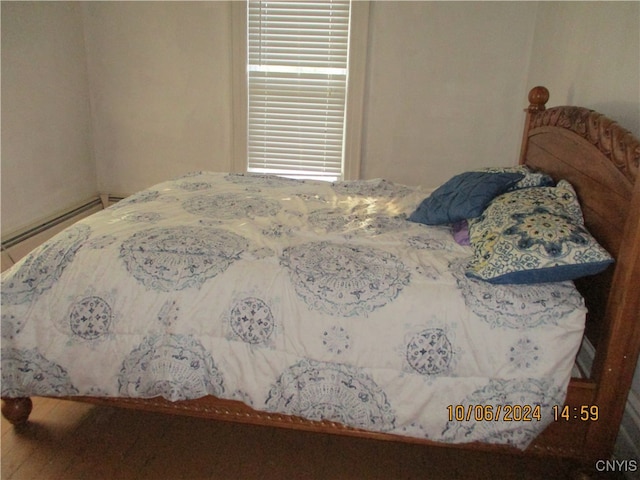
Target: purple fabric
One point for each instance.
(461, 232)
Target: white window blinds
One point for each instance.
(297, 86)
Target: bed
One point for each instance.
(345, 308)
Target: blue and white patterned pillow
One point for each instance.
(534, 235)
(529, 177)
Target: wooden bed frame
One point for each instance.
(601, 160)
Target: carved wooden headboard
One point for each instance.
(601, 160)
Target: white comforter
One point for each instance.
(307, 298)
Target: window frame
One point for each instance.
(355, 88)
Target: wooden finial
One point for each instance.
(538, 97)
(17, 410)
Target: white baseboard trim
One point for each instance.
(48, 223)
(20, 243)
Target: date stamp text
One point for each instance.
(494, 413)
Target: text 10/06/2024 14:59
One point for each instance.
(520, 413)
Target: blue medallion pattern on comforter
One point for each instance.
(300, 297)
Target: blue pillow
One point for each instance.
(464, 196)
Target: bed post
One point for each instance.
(17, 410)
(538, 97)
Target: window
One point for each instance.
(301, 101)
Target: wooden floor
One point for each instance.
(67, 441)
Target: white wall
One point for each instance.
(47, 162)
(446, 87)
(160, 75)
(588, 54)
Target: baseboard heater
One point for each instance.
(45, 225)
(115, 198)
